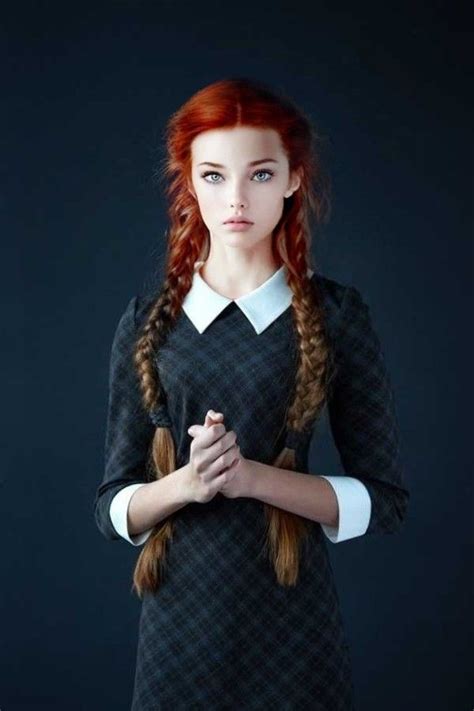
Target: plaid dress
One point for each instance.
(221, 633)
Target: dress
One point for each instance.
(221, 633)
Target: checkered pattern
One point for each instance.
(363, 416)
(221, 633)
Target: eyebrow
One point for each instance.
(254, 162)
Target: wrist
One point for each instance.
(183, 479)
(247, 478)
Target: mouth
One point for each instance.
(238, 222)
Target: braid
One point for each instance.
(151, 562)
(286, 530)
(147, 345)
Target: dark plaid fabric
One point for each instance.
(363, 417)
(221, 633)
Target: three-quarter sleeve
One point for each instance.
(129, 430)
(363, 417)
(119, 515)
(354, 507)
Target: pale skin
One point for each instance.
(304, 494)
(238, 262)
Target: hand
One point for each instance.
(214, 457)
(230, 479)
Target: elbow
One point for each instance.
(401, 509)
(102, 519)
(389, 509)
(397, 511)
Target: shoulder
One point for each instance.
(131, 316)
(350, 324)
(137, 310)
(342, 303)
(332, 292)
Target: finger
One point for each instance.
(217, 458)
(232, 467)
(207, 434)
(195, 430)
(227, 459)
(212, 416)
(211, 419)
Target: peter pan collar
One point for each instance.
(261, 306)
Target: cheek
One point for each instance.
(208, 200)
(209, 208)
(272, 201)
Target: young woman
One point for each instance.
(217, 379)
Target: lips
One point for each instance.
(238, 221)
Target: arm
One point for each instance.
(129, 434)
(363, 417)
(365, 430)
(134, 515)
(304, 494)
(119, 515)
(343, 511)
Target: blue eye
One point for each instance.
(269, 172)
(209, 172)
(257, 172)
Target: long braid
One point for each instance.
(286, 530)
(151, 562)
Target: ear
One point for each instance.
(295, 182)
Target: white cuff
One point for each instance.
(355, 506)
(118, 515)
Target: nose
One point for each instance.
(237, 198)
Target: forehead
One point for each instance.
(239, 145)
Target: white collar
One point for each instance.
(261, 306)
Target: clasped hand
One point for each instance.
(216, 463)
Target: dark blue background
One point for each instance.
(86, 91)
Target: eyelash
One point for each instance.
(213, 172)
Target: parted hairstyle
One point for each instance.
(230, 103)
